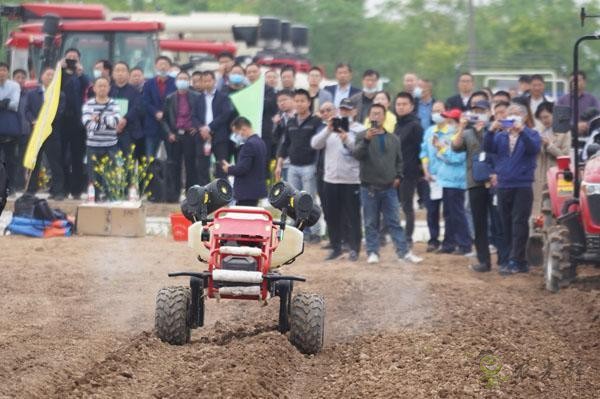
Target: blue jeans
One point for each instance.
(455, 221)
(433, 220)
(152, 143)
(382, 202)
(304, 178)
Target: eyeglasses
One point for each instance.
(326, 109)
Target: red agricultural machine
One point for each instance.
(243, 247)
(571, 205)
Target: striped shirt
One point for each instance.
(101, 133)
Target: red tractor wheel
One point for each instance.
(559, 271)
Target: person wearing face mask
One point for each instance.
(249, 184)
(431, 163)
(469, 139)
(342, 181)
(154, 93)
(181, 124)
(102, 68)
(174, 71)
(364, 99)
(451, 176)
(516, 146)
(237, 80)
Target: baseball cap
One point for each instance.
(346, 103)
(452, 114)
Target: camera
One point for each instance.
(71, 64)
(340, 124)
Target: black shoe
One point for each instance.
(432, 247)
(480, 268)
(353, 256)
(334, 254)
(461, 251)
(443, 250)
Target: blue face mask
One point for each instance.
(173, 74)
(162, 74)
(182, 84)
(236, 79)
(451, 129)
(237, 139)
(97, 73)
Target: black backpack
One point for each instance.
(25, 205)
(3, 186)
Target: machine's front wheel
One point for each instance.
(173, 316)
(307, 322)
(558, 269)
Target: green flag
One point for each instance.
(249, 103)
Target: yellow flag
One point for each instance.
(43, 126)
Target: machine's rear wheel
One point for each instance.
(307, 322)
(558, 268)
(173, 316)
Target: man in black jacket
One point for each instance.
(129, 100)
(51, 147)
(465, 89)
(181, 124)
(249, 184)
(410, 132)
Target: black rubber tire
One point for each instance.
(283, 290)
(559, 271)
(307, 323)
(172, 317)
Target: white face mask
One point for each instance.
(417, 92)
(373, 90)
(483, 118)
(437, 118)
(97, 73)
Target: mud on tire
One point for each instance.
(307, 322)
(172, 317)
(558, 269)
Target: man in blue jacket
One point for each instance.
(154, 93)
(249, 184)
(516, 147)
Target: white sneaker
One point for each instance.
(471, 254)
(373, 258)
(412, 258)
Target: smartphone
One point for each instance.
(374, 124)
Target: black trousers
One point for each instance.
(52, 150)
(406, 195)
(514, 206)
(222, 151)
(19, 182)
(8, 154)
(72, 134)
(342, 209)
(186, 149)
(479, 198)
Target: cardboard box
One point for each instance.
(120, 219)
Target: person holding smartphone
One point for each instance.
(516, 148)
(341, 177)
(380, 159)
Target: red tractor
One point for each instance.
(243, 247)
(571, 206)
